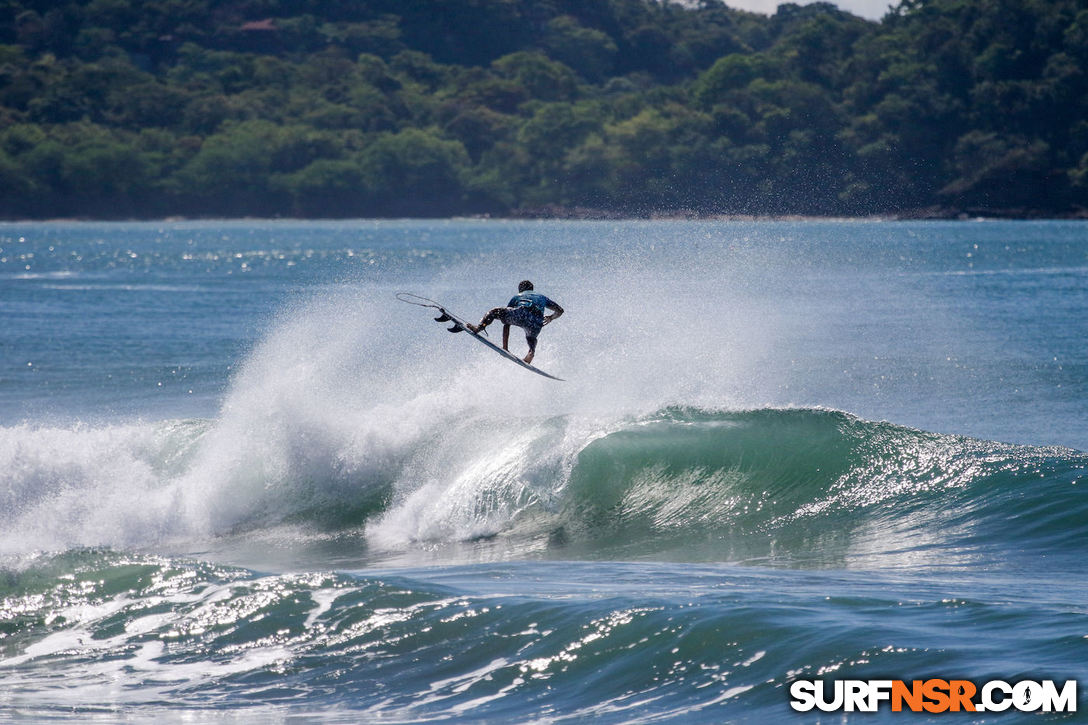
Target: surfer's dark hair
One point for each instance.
(525, 285)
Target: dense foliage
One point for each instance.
(117, 108)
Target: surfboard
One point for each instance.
(459, 325)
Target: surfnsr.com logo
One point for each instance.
(934, 695)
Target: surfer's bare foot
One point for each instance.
(474, 328)
(529, 358)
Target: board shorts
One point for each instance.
(522, 317)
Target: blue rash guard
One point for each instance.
(536, 303)
(526, 310)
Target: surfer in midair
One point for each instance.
(526, 310)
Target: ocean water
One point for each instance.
(239, 479)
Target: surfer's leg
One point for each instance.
(531, 339)
(506, 337)
(493, 314)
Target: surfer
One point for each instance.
(525, 310)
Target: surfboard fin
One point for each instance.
(443, 318)
(456, 328)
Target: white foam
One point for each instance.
(85, 486)
(354, 397)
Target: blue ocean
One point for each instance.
(240, 480)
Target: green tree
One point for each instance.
(233, 169)
(414, 171)
(541, 78)
(730, 74)
(327, 187)
(997, 171)
(590, 52)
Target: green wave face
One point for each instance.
(816, 487)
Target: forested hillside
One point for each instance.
(146, 108)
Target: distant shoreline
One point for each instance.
(557, 213)
(924, 214)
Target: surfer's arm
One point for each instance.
(558, 311)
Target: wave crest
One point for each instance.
(804, 486)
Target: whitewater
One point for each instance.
(238, 478)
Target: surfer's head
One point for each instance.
(525, 285)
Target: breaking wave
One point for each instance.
(801, 485)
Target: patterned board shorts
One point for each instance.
(521, 317)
